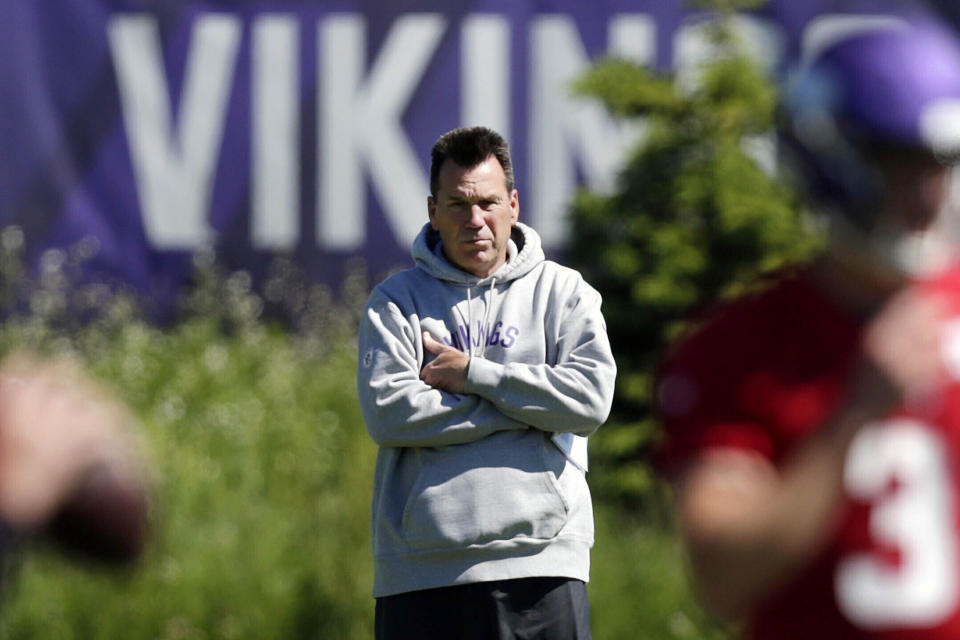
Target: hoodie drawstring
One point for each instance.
(469, 323)
(475, 333)
(486, 319)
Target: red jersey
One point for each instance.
(766, 372)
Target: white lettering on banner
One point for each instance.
(359, 116)
(917, 519)
(633, 37)
(174, 166)
(275, 157)
(485, 76)
(560, 120)
(359, 124)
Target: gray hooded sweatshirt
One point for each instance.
(476, 486)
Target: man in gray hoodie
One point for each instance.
(482, 371)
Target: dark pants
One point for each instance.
(524, 609)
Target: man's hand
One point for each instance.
(902, 348)
(448, 371)
(57, 427)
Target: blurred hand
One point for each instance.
(59, 432)
(448, 371)
(902, 350)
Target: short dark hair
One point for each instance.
(468, 147)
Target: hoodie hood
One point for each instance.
(523, 254)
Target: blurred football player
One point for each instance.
(813, 426)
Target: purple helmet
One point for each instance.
(866, 83)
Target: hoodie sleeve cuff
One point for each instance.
(483, 377)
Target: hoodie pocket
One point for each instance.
(499, 488)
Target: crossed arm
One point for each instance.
(402, 410)
(572, 396)
(442, 404)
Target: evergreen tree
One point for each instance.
(694, 217)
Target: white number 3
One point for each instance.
(917, 518)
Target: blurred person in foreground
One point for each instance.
(481, 372)
(813, 426)
(69, 470)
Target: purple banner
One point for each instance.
(303, 128)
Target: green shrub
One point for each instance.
(262, 468)
(638, 589)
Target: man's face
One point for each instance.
(916, 190)
(903, 235)
(474, 213)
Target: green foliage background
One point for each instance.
(262, 474)
(262, 465)
(262, 478)
(695, 217)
